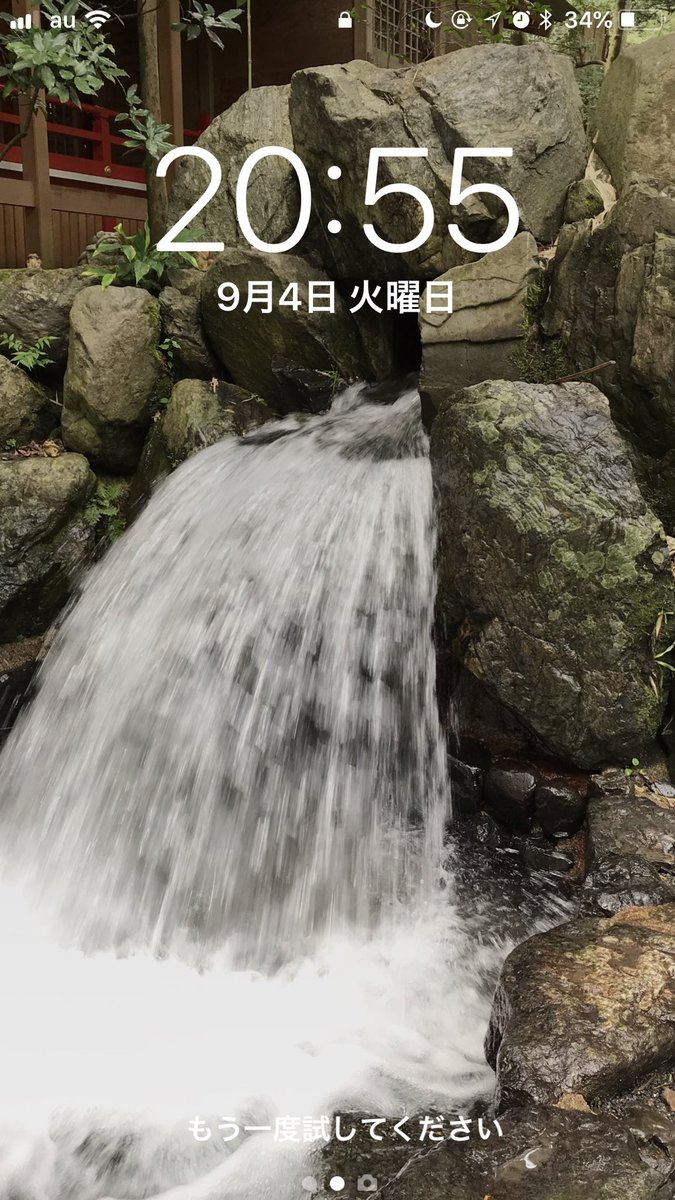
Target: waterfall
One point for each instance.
(228, 799)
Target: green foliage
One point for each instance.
(170, 348)
(141, 264)
(143, 131)
(664, 657)
(23, 355)
(634, 765)
(202, 18)
(71, 64)
(538, 359)
(104, 510)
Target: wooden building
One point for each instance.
(72, 176)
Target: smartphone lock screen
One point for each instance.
(337, 611)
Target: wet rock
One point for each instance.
(560, 808)
(586, 1007)
(259, 118)
(478, 340)
(551, 568)
(36, 304)
(26, 409)
(115, 378)
(654, 1132)
(509, 796)
(466, 783)
(44, 540)
(248, 343)
(302, 390)
(338, 113)
(197, 415)
(635, 134)
(19, 662)
(531, 851)
(181, 321)
(618, 881)
(544, 1154)
(627, 824)
(583, 201)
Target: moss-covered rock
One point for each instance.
(552, 570)
(44, 539)
(26, 408)
(36, 304)
(583, 201)
(115, 377)
(587, 1007)
(198, 414)
(181, 324)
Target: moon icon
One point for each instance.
(431, 24)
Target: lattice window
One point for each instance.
(417, 42)
(387, 25)
(400, 31)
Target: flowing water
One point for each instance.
(221, 824)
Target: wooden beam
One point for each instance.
(35, 162)
(170, 69)
(18, 192)
(99, 203)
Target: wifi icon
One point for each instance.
(97, 17)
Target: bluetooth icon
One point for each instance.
(545, 19)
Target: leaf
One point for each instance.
(107, 279)
(141, 269)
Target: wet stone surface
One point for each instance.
(543, 1154)
(619, 881)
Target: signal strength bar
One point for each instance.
(22, 22)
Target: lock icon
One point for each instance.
(345, 21)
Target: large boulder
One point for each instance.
(259, 118)
(552, 570)
(36, 304)
(27, 410)
(44, 539)
(635, 113)
(248, 343)
(115, 377)
(612, 298)
(479, 339)
(587, 1008)
(517, 96)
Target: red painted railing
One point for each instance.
(92, 148)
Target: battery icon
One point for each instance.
(627, 20)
